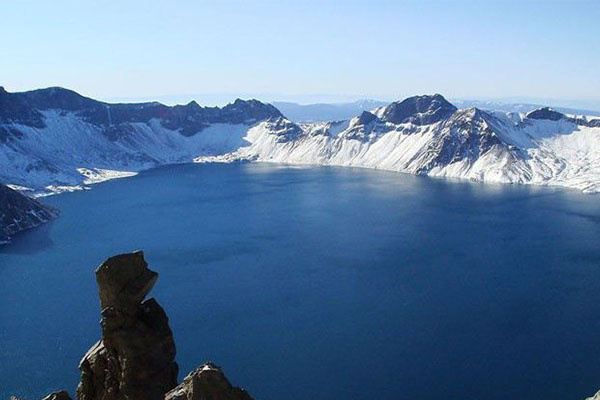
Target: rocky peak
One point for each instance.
(57, 98)
(419, 110)
(365, 118)
(207, 382)
(545, 113)
(124, 281)
(241, 111)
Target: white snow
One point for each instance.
(69, 153)
(556, 153)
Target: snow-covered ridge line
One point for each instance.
(54, 140)
(428, 136)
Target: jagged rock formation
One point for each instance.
(19, 212)
(418, 110)
(207, 382)
(136, 357)
(135, 360)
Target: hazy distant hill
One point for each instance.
(321, 112)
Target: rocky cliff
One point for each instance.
(19, 212)
(135, 359)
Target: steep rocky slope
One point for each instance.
(19, 212)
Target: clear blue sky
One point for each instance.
(380, 49)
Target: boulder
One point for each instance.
(207, 382)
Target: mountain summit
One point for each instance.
(419, 110)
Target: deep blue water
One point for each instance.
(323, 283)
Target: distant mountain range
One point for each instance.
(54, 139)
(323, 112)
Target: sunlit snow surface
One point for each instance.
(70, 154)
(542, 152)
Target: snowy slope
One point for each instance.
(542, 147)
(53, 140)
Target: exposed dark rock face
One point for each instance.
(284, 129)
(207, 382)
(62, 395)
(366, 118)
(419, 110)
(19, 212)
(552, 115)
(545, 113)
(591, 123)
(25, 108)
(136, 357)
(465, 136)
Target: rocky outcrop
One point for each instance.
(545, 113)
(136, 357)
(419, 110)
(19, 212)
(62, 395)
(207, 382)
(135, 360)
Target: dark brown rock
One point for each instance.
(207, 382)
(135, 360)
(62, 395)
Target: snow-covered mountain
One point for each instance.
(19, 212)
(54, 139)
(427, 135)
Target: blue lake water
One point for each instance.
(323, 283)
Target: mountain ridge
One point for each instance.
(52, 140)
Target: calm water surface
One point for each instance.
(323, 283)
